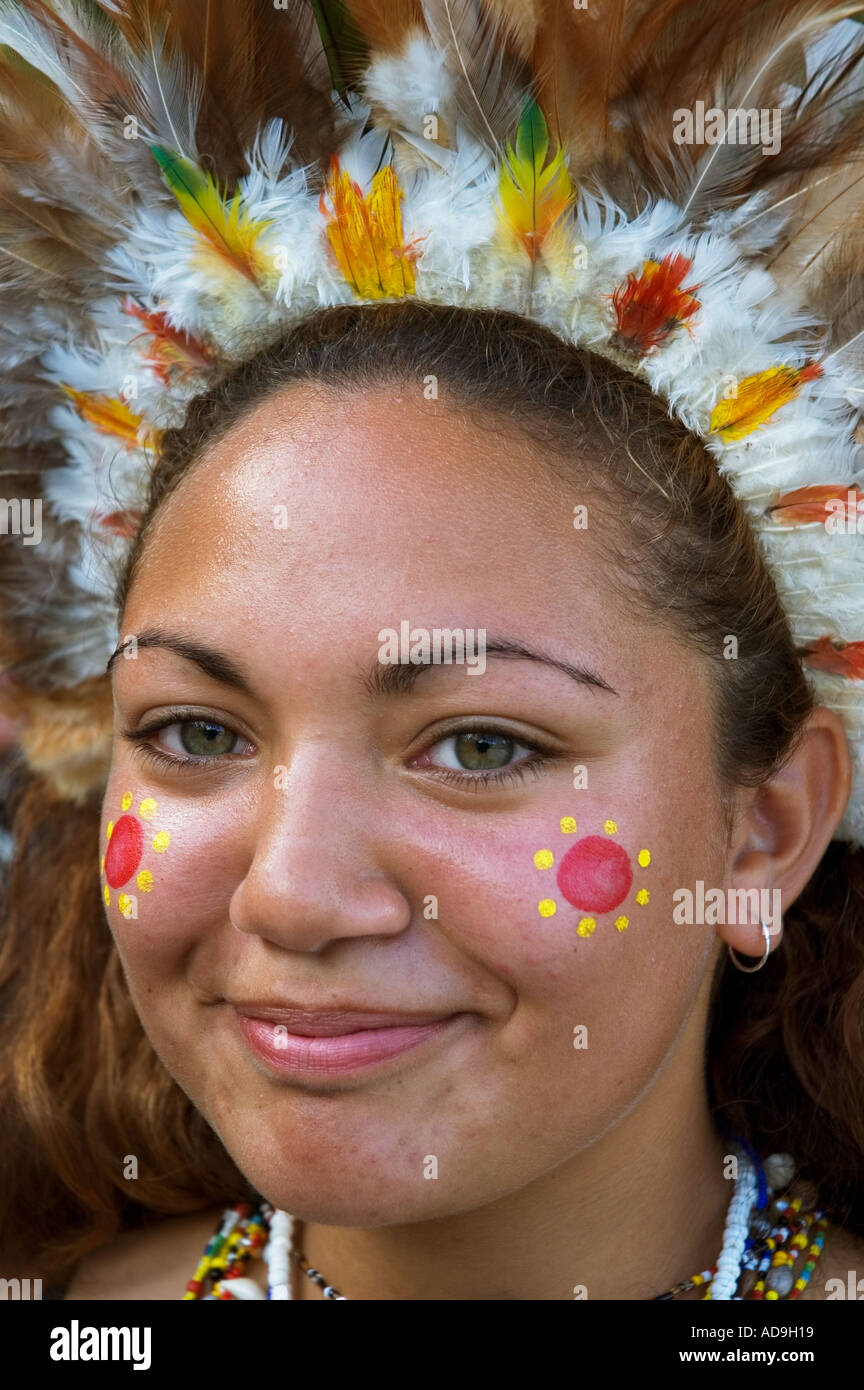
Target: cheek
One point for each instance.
(163, 875)
(572, 922)
(537, 896)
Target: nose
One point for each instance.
(319, 869)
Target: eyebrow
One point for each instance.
(400, 679)
(381, 680)
(213, 663)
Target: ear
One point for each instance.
(788, 824)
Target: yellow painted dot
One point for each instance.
(622, 923)
(161, 841)
(109, 830)
(544, 859)
(644, 857)
(547, 908)
(127, 801)
(568, 825)
(102, 864)
(124, 902)
(586, 926)
(147, 809)
(643, 896)
(106, 895)
(611, 827)
(145, 880)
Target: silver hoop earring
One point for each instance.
(751, 969)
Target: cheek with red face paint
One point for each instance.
(131, 858)
(595, 874)
(168, 870)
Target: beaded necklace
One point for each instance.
(765, 1236)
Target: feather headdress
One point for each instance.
(676, 187)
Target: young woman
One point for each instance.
(409, 953)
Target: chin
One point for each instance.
(349, 1187)
(346, 1200)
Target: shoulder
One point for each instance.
(153, 1262)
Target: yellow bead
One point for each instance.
(772, 1293)
(800, 1284)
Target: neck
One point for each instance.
(640, 1210)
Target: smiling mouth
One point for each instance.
(315, 1044)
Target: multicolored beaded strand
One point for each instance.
(240, 1236)
(773, 1241)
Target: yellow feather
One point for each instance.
(533, 198)
(227, 226)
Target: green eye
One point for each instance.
(481, 756)
(201, 738)
(483, 751)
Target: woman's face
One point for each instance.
(374, 835)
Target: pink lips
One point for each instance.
(300, 1043)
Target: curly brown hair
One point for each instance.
(80, 1085)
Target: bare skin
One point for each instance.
(298, 865)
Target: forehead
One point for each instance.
(358, 509)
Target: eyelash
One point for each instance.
(158, 757)
(477, 781)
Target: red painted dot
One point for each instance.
(123, 854)
(595, 874)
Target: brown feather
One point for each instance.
(33, 115)
(582, 59)
(385, 24)
(740, 55)
(256, 62)
(66, 735)
(519, 22)
(104, 79)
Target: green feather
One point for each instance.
(344, 46)
(532, 135)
